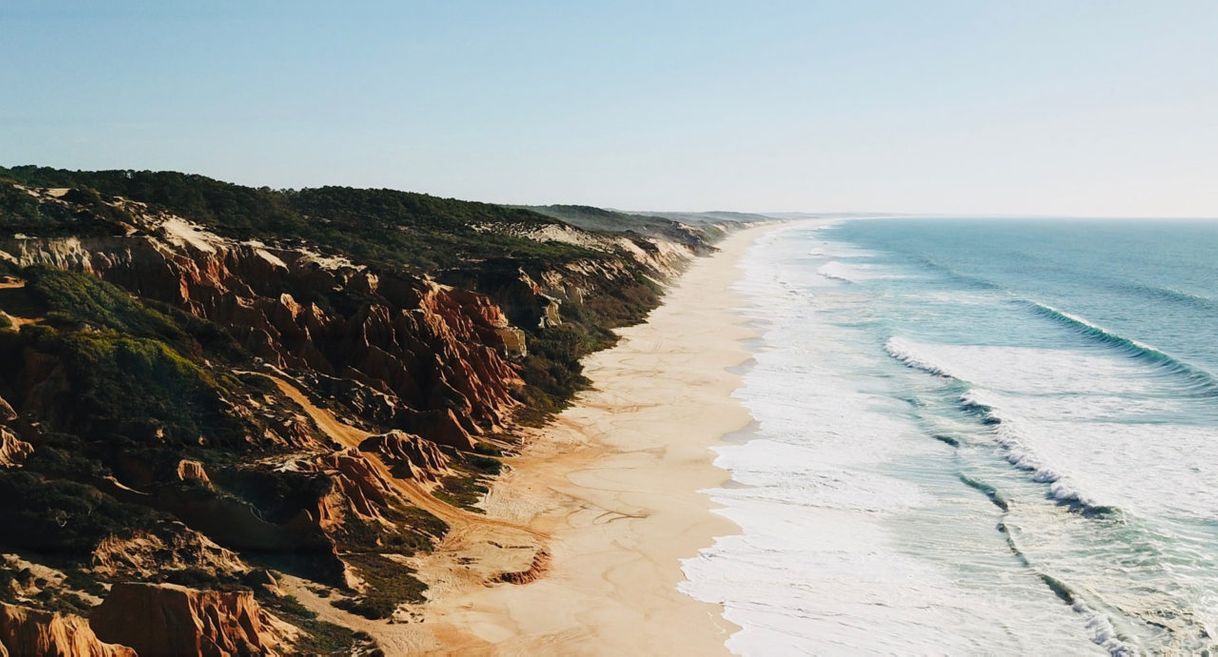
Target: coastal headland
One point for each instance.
(355, 421)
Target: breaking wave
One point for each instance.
(1199, 381)
(1006, 433)
(904, 351)
(835, 271)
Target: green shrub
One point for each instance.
(374, 226)
(484, 464)
(389, 585)
(76, 297)
(320, 637)
(21, 212)
(134, 389)
(59, 517)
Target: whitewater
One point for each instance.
(974, 437)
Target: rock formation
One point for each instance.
(357, 489)
(426, 345)
(143, 554)
(35, 633)
(13, 450)
(174, 621)
(139, 404)
(189, 470)
(410, 456)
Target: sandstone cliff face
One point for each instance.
(410, 456)
(393, 351)
(174, 621)
(30, 632)
(139, 554)
(13, 450)
(425, 368)
(426, 346)
(358, 489)
(190, 470)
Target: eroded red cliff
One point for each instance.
(26, 632)
(175, 621)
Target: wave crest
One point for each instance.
(1172, 295)
(1006, 433)
(834, 270)
(905, 352)
(1060, 488)
(1200, 381)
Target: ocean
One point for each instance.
(975, 437)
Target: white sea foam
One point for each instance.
(1025, 370)
(1108, 406)
(1090, 428)
(836, 271)
(864, 535)
(857, 536)
(906, 352)
(1009, 436)
(941, 468)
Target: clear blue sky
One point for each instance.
(1007, 106)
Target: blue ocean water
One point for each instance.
(976, 436)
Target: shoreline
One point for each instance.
(615, 482)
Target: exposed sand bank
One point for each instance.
(614, 484)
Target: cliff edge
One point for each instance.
(206, 389)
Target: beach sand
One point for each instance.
(614, 486)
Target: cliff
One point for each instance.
(175, 621)
(25, 631)
(200, 382)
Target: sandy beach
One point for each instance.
(615, 484)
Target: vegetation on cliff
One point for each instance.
(374, 226)
(591, 218)
(155, 312)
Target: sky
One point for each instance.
(1047, 107)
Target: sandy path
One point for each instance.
(615, 482)
(416, 493)
(476, 552)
